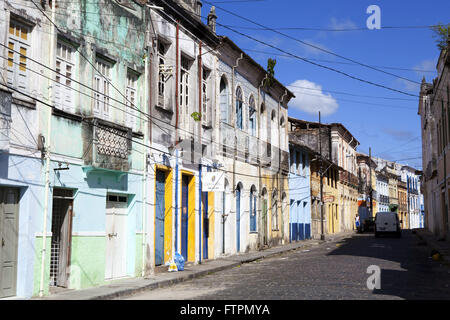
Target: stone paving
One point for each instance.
(328, 271)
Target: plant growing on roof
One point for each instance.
(442, 35)
(197, 116)
(270, 72)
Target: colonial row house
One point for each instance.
(434, 112)
(116, 119)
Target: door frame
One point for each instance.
(68, 236)
(112, 259)
(16, 225)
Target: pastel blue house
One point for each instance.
(299, 192)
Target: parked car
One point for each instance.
(387, 223)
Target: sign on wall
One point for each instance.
(213, 181)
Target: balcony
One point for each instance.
(253, 148)
(284, 162)
(265, 152)
(242, 142)
(227, 140)
(107, 146)
(348, 178)
(5, 119)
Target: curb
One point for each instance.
(143, 284)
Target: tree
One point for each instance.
(442, 34)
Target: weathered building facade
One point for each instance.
(382, 187)
(87, 133)
(325, 210)
(403, 204)
(299, 189)
(253, 149)
(367, 192)
(434, 111)
(344, 146)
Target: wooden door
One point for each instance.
(159, 216)
(264, 221)
(184, 216)
(9, 208)
(116, 237)
(205, 221)
(61, 237)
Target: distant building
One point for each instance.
(299, 191)
(306, 133)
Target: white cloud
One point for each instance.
(310, 98)
(335, 24)
(421, 71)
(314, 48)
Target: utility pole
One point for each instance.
(370, 178)
(322, 236)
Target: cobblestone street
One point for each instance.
(330, 271)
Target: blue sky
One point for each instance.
(384, 120)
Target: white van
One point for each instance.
(387, 223)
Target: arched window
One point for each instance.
(253, 209)
(252, 116)
(273, 129)
(224, 107)
(239, 108)
(274, 211)
(283, 136)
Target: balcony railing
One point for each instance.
(284, 161)
(107, 146)
(348, 178)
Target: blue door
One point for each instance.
(184, 216)
(159, 217)
(301, 230)
(238, 219)
(252, 212)
(292, 221)
(205, 224)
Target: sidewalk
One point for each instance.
(443, 247)
(128, 287)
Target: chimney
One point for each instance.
(212, 19)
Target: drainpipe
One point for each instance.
(279, 163)
(233, 108)
(200, 236)
(147, 136)
(176, 137)
(53, 40)
(260, 142)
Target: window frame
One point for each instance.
(132, 118)
(102, 80)
(239, 108)
(184, 95)
(16, 61)
(61, 79)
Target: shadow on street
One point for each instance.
(419, 277)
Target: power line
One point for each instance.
(314, 46)
(338, 62)
(91, 64)
(334, 29)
